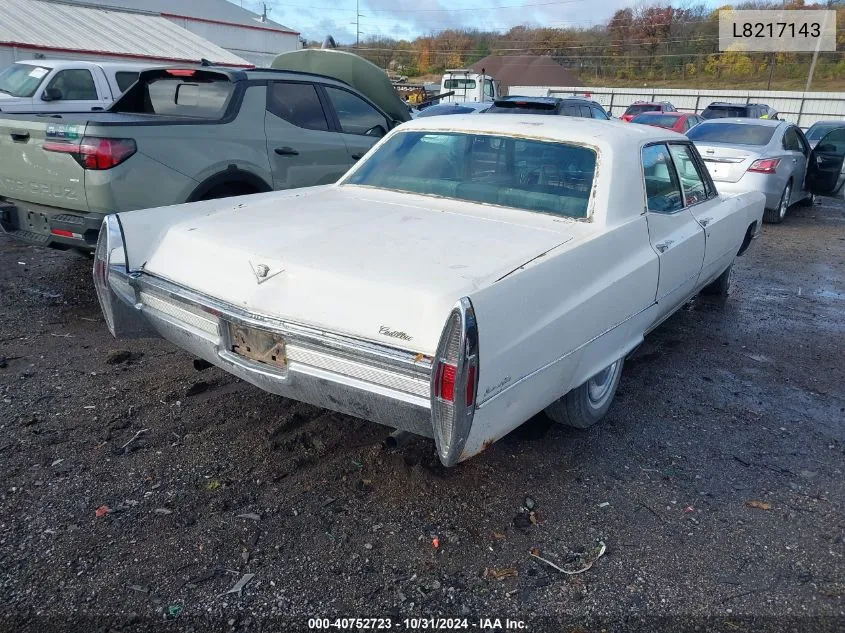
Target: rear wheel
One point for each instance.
(776, 216)
(721, 286)
(582, 407)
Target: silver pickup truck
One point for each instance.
(178, 135)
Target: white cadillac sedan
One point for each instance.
(468, 273)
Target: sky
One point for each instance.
(407, 19)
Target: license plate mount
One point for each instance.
(257, 345)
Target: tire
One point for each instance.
(809, 201)
(582, 407)
(721, 286)
(776, 216)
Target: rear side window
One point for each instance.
(356, 115)
(75, 84)
(791, 141)
(689, 171)
(125, 78)
(199, 99)
(297, 103)
(663, 192)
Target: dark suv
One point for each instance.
(566, 106)
(721, 110)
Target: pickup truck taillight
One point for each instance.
(95, 153)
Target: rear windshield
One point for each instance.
(22, 80)
(661, 120)
(642, 107)
(820, 129)
(196, 94)
(460, 84)
(732, 133)
(125, 78)
(446, 109)
(546, 177)
(724, 112)
(523, 107)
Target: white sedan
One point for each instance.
(468, 273)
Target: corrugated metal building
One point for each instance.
(224, 23)
(44, 29)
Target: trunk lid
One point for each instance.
(727, 163)
(379, 265)
(30, 174)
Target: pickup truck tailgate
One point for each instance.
(32, 175)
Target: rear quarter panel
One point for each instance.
(548, 328)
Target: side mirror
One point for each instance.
(51, 94)
(377, 131)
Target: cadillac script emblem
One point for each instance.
(385, 330)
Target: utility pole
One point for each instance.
(357, 23)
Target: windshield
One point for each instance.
(660, 120)
(820, 129)
(642, 107)
(22, 80)
(721, 112)
(732, 133)
(541, 176)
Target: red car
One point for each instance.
(675, 121)
(644, 106)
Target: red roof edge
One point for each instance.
(56, 49)
(243, 26)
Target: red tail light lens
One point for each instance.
(96, 153)
(765, 166)
(448, 374)
(471, 386)
(181, 72)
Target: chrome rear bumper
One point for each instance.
(359, 378)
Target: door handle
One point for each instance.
(19, 137)
(663, 246)
(286, 151)
(705, 221)
(794, 160)
(356, 156)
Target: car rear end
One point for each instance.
(741, 156)
(639, 108)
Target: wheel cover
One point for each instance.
(600, 385)
(784, 201)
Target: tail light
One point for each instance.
(95, 153)
(765, 166)
(454, 382)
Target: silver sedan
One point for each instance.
(756, 155)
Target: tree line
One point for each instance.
(656, 43)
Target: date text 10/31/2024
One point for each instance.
(418, 624)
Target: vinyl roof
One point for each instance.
(84, 29)
(214, 10)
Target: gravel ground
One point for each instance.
(136, 491)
